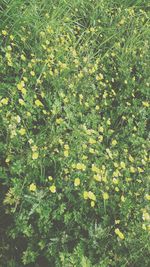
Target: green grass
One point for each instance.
(74, 133)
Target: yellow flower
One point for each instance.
(100, 138)
(66, 153)
(91, 196)
(85, 195)
(7, 160)
(122, 165)
(101, 129)
(32, 187)
(140, 170)
(4, 32)
(77, 182)
(119, 233)
(84, 146)
(66, 147)
(4, 101)
(122, 198)
(50, 178)
(92, 141)
(99, 77)
(35, 155)
(131, 158)
(95, 169)
(80, 166)
(97, 177)
(117, 189)
(116, 164)
(114, 142)
(92, 204)
(115, 181)
(147, 197)
(145, 104)
(28, 114)
(143, 226)
(52, 188)
(11, 37)
(146, 216)
(105, 196)
(59, 120)
(84, 157)
(91, 150)
(21, 102)
(23, 58)
(24, 91)
(32, 73)
(21, 88)
(20, 85)
(117, 221)
(132, 169)
(22, 131)
(38, 103)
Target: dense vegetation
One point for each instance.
(74, 137)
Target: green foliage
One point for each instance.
(74, 133)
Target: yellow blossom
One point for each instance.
(34, 148)
(122, 198)
(131, 158)
(115, 181)
(147, 197)
(23, 58)
(4, 32)
(24, 91)
(97, 177)
(22, 131)
(145, 104)
(32, 73)
(117, 189)
(4, 101)
(80, 166)
(52, 188)
(119, 233)
(132, 169)
(21, 102)
(7, 160)
(20, 85)
(66, 147)
(92, 141)
(105, 196)
(32, 187)
(11, 37)
(99, 77)
(91, 196)
(59, 120)
(95, 169)
(38, 103)
(35, 155)
(117, 221)
(92, 204)
(116, 164)
(50, 178)
(114, 142)
(77, 182)
(28, 114)
(85, 195)
(146, 216)
(101, 129)
(122, 165)
(66, 153)
(100, 138)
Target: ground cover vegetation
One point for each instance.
(74, 137)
